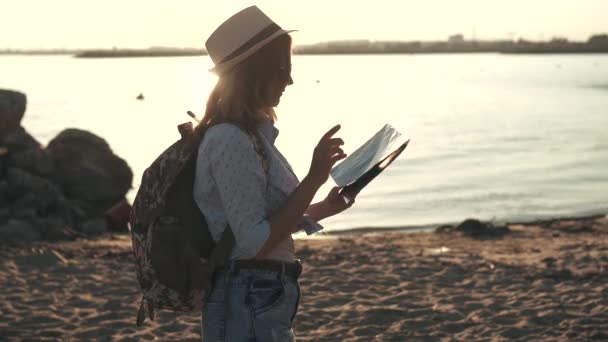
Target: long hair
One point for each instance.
(238, 96)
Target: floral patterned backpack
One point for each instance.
(175, 256)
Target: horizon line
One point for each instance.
(461, 40)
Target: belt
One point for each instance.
(292, 269)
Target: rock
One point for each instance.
(446, 228)
(60, 233)
(35, 160)
(477, 229)
(76, 210)
(56, 228)
(28, 190)
(3, 160)
(46, 192)
(25, 214)
(18, 140)
(12, 108)
(94, 227)
(5, 214)
(27, 200)
(22, 151)
(88, 171)
(4, 198)
(30, 196)
(15, 231)
(471, 227)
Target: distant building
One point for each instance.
(456, 39)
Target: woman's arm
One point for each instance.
(282, 222)
(333, 204)
(317, 211)
(326, 154)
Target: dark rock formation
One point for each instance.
(88, 171)
(24, 152)
(76, 186)
(476, 229)
(95, 226)
(15, 231)
(12, 108)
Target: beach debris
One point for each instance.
(438, 250)
(56, 229)
(550, 261)
(59, 256)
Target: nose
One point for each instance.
(290, 81)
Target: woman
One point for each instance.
(242, 181)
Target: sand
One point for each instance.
(543, 281)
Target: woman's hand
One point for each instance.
(325, 155)
(331, 205)
(334, 203)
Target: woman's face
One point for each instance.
(279, 82)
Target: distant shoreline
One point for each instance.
(432, 227)
(455, 44)
(139, 53)
(335, 53)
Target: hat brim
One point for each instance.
(225, 66)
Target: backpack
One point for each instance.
(175, 255)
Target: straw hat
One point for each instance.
(240, 37)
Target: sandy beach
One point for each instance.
(543, 281)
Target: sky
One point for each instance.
(32, 24)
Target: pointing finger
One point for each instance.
(331, 132)
(336, 141)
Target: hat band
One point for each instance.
(265, 33)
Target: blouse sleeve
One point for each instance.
(241, 183)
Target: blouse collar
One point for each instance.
(269, 131)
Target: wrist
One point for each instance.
(322, 210)
(312, 182)
(316, 211)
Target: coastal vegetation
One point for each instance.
(454, 44)
(457, 44)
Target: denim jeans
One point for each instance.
(253, 305)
